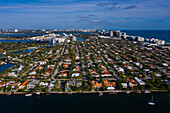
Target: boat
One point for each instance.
(127, 92)
(69, 93)
(28, 95)
(9, 93)
(112, 93)
(147, 91)
(38, 93)
(100, 94)
(151, 102)
(4, 53)
(138, 92)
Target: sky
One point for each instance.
(85, 14)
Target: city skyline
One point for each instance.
(84, 14)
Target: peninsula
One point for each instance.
(103, 62)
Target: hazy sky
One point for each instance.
(67, 14)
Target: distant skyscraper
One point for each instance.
(140, 39)
(111, 33)
(124, 35)
(16, 30)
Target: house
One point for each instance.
(33, 73)
(131, 82)
(51, 85)
(20, 68)
(75, 75)
(76, 68)
(125, 85)
(70, 83)
(120, 70)
(2, 84)
(109, 85)
(96, 84)
(79, 83)
(32, 84)
(31, 76)
(23, 84)
(77, 57)
(42, 62)
(65, 65)
(4, 75)
(50, 67)
(46, 74)
(39, 67)
(140, 81)
(14, 85)
(62, 75)
(106, 74)
(43, 84)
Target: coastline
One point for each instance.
(87, 92)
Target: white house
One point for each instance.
(111, 88)
(140, 81)
(12, 74)
(75, 75)
(124, 85)
(32, 84)
(33, 73)
(51, 85)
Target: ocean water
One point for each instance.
(159, 34)
(22, 34)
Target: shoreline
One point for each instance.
(86, 92)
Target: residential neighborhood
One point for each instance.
(92, 65)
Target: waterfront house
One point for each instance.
(125, 85)
(23, 85)
(97, 85)
(109, 85)
(140, 82)
(51, 85)
(32, 84)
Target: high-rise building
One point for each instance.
(111, 33)
(140, 39)
(124, 35)
(16, 30)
